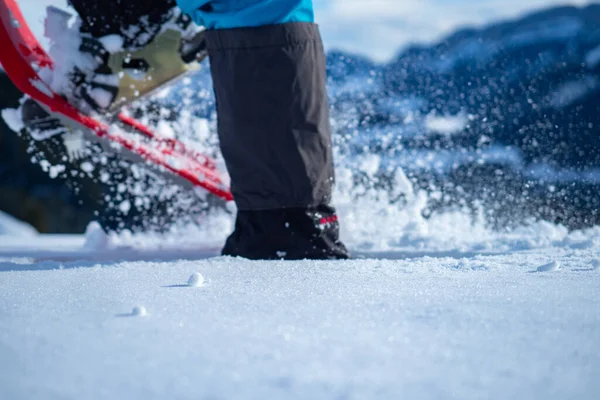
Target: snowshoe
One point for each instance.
(66, 98)
(102, 74)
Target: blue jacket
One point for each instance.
(223, 14)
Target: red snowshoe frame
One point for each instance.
(22, 57)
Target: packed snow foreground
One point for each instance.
(429, 309)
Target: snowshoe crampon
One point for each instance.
(24, 60)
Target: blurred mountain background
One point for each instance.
(502, 118)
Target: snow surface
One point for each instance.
(484, 326)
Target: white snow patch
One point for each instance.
(102, 97)
(65, 40)
(9, 225)
(13, 119)
(112, 43)
(56, 22)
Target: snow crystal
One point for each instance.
(196, 280)
(596, 264)
(550, 267)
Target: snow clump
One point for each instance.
(196, 280)
(95, 237)
(139, 311)
(551, 267)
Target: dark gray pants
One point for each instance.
(273, 114)
(273, 121)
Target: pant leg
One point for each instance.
(273, 114)
(273, 121)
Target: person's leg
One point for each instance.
(273, 121)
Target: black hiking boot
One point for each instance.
(287, 234)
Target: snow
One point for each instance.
(139, 311)
(572, 91)
(592, 59)
(423, 327)
(102, 97)
(550, 267)
(196, 280)
(13, 119)
(15, 228)
(112, 43)
(428, 309)
(96, 238)
(446, 125)
(62, 32)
